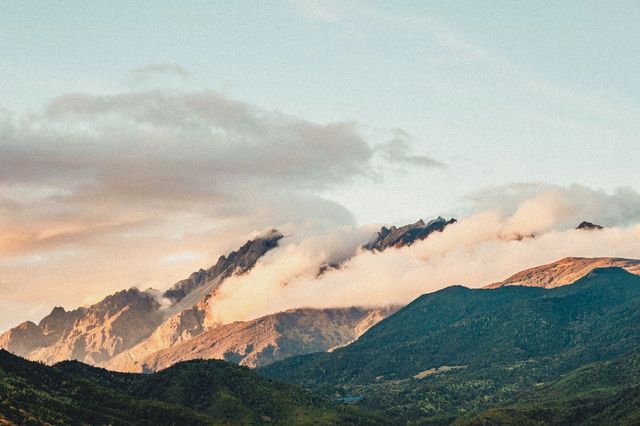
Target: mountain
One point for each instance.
(135, 331)
(120, 321)
(566, 271)
(406, 235)
(261, 341)
(237, 262)
(191, 393)
(459, 351)
(91, 334)
(588, 226)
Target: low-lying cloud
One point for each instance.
(523, 226)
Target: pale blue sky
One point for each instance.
(500, 91)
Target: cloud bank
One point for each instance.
(519, 226)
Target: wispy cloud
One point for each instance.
(398, 150)
(320, 10)
(150, 71)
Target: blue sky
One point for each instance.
(499, 91)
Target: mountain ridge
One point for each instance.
(460, 350)
(565, 271)
(121, 320)
(261, 341)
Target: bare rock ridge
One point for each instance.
(239, 261)
(566, 271)
(406, 235)
(120, 321)
(588, 226)
(264, 340)
(91, 334)
(134, 330)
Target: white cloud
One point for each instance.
(479, 249)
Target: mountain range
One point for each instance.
(553, 344)
(509, 355)
(459, 352)
(145, 330)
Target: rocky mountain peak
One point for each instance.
(97, 333)
(239, 261)
(406, 235)
(588, 226)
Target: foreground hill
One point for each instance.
(459, 351)
(191, 393)
(566, 271)
(261, 341)
(599, 393)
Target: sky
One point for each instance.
(141, 140)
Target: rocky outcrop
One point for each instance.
(264, 340)
(100, 331)
(566, 271)
(22, 339)
(588, 226)
(406, 235)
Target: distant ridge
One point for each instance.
(565, 271)
(589, 226)
(261, 341)
(406, 235)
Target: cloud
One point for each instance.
(320, 10)
(398, 150)
(147, 72)
(477, 250)
(540, 207)
(100, 161)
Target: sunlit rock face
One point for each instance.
(566, 271)
(262, 341)
(138, 331)
(91, 334)
(239, 261)
(97, 333)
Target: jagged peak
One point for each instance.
(405, 235)
(589, 226)
(237, 261)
